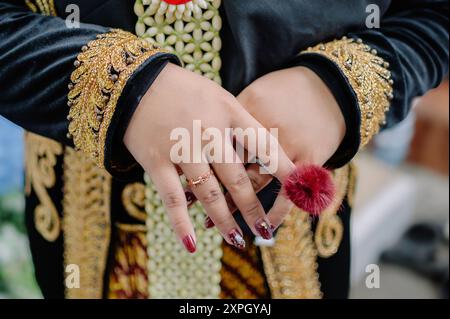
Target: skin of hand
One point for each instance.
(309, 121)
(175, 100)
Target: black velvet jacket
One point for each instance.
(259, 36)
(37, 52)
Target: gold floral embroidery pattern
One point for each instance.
(290, 265)
(369, 77)
(133, 199)
(102, 71)
(330, 229)
(86, 222)
(173, 272)
(128, 277)
(45, 7)
(41, 158)
(193, 34)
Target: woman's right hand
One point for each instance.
(175, 100)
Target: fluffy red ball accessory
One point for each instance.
(310, 188)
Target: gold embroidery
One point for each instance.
(369, 77)
(290, 265)
(133, 199)
(128, 277)
(102, 71)
(41, 158)
(353, 176)
(193, 35)
(86, 222)
(330, 229)
(174, 273)
(45, 7)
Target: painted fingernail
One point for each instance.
(263, 228)
(190, 197)
(236, 239)
(189, 244)
(208, 223)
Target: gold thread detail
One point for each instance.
(291, 266)
(86, 222)
(41, 158)
(368, 75)
(102, 71)
(45, 7)
(133, 199)
(128, 275)
(330, 229)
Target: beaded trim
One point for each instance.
(192, 33)
(40, 160)
(368, 75)
(174, 273)
(193, 36)
(45, 7)
(102, 71)
(86, 222)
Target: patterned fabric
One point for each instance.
(242, 273)
(128, 276)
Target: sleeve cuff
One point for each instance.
(361, 84)
(112, 73)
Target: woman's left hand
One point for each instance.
(309, 121)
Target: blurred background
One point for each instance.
(400, 222)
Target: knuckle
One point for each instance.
(252, 210)
(239, 182)
(211, 196)
(173, 199)
(178, 224)
(223, 222)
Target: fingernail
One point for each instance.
(236, 239)
(190, 197)
(263, 228)
(189, 244)
(209, 223)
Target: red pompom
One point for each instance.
(310, 188)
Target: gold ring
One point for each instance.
(200, 180)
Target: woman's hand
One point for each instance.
(175, 100)
(309, 121)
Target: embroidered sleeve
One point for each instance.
(101, 73)
(369, 77)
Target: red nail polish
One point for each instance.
(209, 223)
(236, 239)
(264, 229)
(189, 243)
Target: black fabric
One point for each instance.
(259, 36)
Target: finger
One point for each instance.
(168, 185)
(266, 147)
(258, 181)
(235, 179)
(279, 211)
(210, 195)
